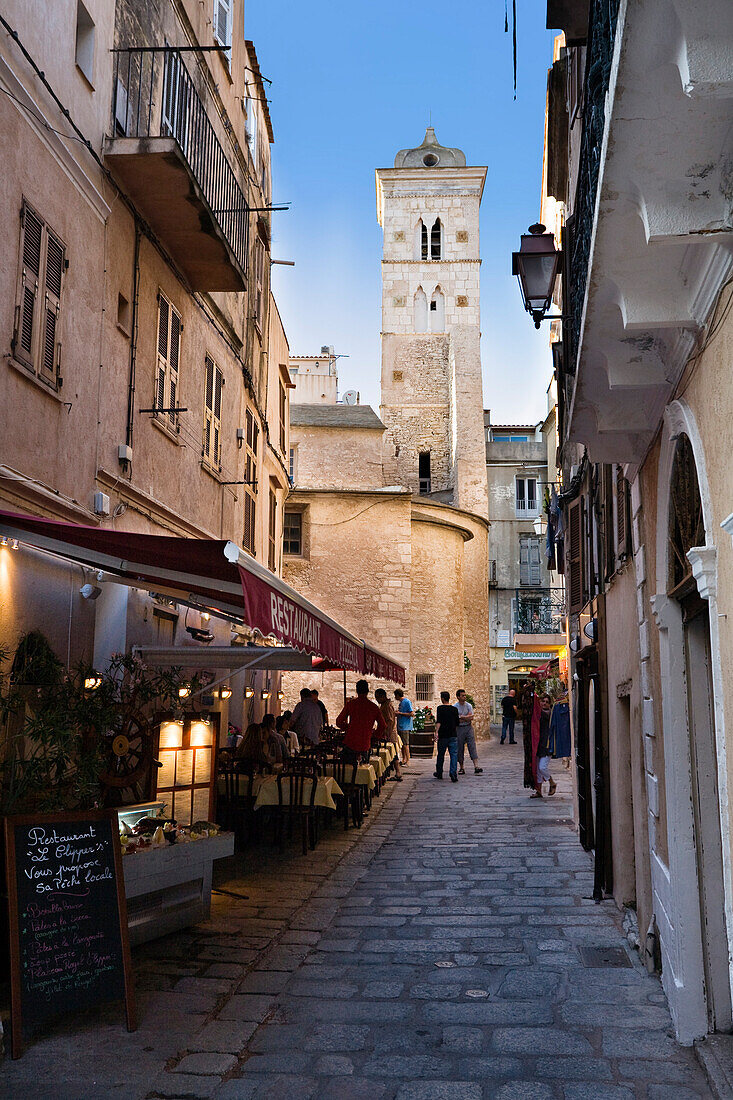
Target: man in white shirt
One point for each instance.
(466, 736)
(307, 719)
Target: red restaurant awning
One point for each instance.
(212, 574)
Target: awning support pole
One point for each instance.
(344, 687)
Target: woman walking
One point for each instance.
(390, 718)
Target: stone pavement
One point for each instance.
(441, 952)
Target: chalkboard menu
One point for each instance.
(68, 921)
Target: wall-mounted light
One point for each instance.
(537, 265)
(91, 683)
(591, 630)
(264, 694)
(3, 541)
(280, 695)
(171, 734)
(205, 616)
(184, 691)
(13, 544)
(226, 693)
(88, 591)
(248, 693)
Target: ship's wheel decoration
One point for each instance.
(129, 757)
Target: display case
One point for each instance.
(168, 887)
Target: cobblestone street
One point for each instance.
(437, 953)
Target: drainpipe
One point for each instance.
(133, 338)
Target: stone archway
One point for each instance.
(696, 895)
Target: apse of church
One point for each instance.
(411, 534)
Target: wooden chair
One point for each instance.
(300, 781)
(345, 775)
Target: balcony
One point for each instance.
(168, 156)
(539, 619)
(650, 236)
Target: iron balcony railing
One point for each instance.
(540, 612)
(155, 96)
(601, 34)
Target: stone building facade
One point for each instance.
(645, 413)
(402, 498)
(136, 321)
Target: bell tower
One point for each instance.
(432, 399)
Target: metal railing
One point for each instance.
(539, 612)
(155, 96)
(601, 35)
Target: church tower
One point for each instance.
(432, 408)
(432, 401)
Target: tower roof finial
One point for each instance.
(431, 154)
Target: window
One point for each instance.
(259, 292)
(575, 564)
(437, 311)
(424, 687)
(293, 532)
(283, 417)
(423, 471)
(84, 41)
(123, 314)
(212, 414)
(252, 122)
(165, 626)
(166, 370)
(526, 498)
(504, 437)
(423, 241)
(250, 488)
(622, 513)
(436, 240)
(36, 340)
(420, 310)
(223, 25)
(272, 531)
(530, 561)
(293, 468)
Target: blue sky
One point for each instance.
(351, 84)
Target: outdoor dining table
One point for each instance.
(365, 775)
(267, 793)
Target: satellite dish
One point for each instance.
(351, 397)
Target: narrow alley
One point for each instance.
(448, 950)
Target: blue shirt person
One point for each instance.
(405, 714)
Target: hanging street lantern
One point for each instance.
(537, 265)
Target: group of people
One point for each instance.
(454, 733)
(546, 732)
(275, 740)
(365, 722)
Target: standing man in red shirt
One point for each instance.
(358, 718)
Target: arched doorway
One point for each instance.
(686, 527)
(696, 954)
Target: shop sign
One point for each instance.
(515, 655)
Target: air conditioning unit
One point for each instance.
(492, 574)
(101, 504)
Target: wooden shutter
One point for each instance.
(169, 350)
(574, 556)
(51, 345)
(221, 21)
(162, 361)
(212, 412)
(622, 507)
(173, 361)
(535, 562)
(273, 530)
(524, 567)
(32, 229)
(208, 406)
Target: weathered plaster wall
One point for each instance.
(338, 458)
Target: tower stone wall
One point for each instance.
(432, 397)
